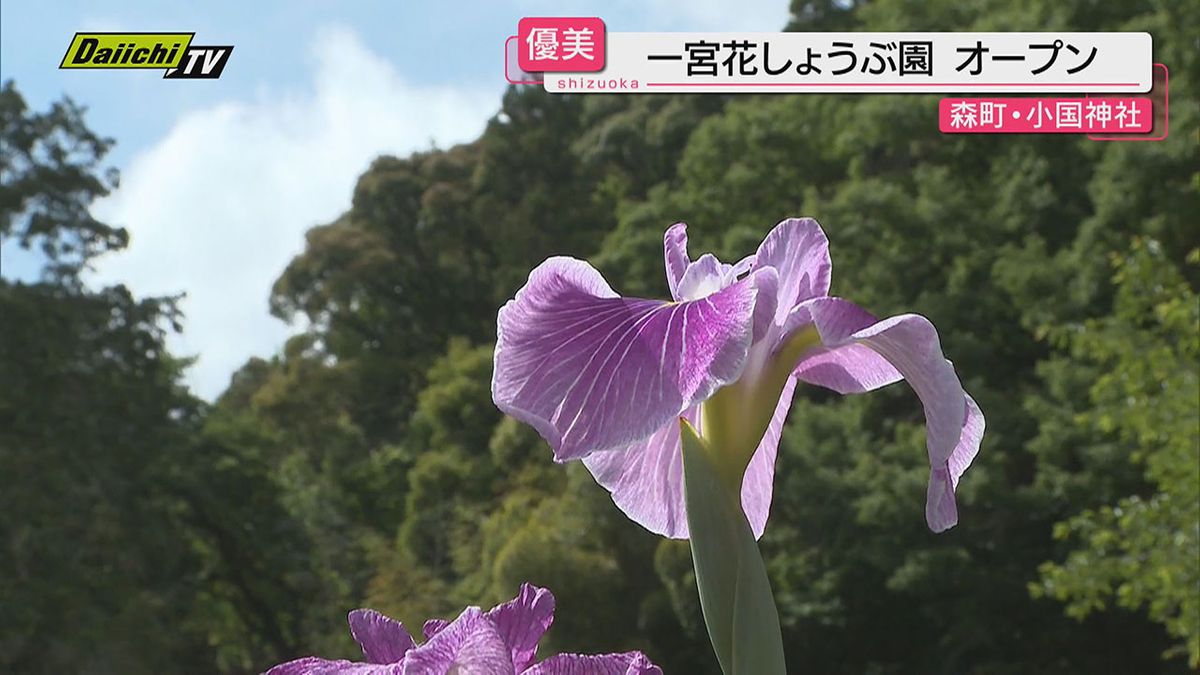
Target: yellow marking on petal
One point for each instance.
(736, 417)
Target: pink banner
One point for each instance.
(558, 44)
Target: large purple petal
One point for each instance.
(470, 645)
(629, 663)
(646, 479)
(910, 344)
(848, 368)
(798, 250)
(940, 508)
(758, 485)
(312, 665)
(383, 640)
(522, 621)
(675, 256)
(593, 371)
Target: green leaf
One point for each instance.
(735, 594)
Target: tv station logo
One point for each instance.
(173, 53)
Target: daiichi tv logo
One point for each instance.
(174, 53)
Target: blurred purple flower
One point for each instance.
(502, 641)
(605, 378)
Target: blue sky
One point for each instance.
(221, 178)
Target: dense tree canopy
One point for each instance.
(133, 540)
(365, 464)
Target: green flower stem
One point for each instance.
(735, 595)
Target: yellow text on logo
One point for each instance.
(126, 50)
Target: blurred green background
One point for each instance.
(145, 531)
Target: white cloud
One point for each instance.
(219, 206)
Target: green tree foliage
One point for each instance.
(365, 464)
(51, 164)
(89, 399)
(1145, 549)
(133, 542)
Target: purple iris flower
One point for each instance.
(605, 379)
(502, 641)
